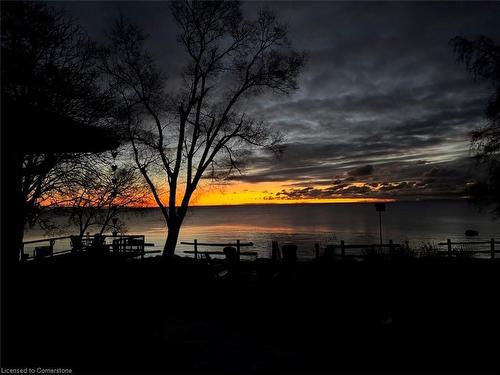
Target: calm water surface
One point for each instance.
(416, 222)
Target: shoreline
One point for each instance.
(386, 200)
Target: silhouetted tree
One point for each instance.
(482, 58)
(203, 126)
(100, 191)
(50, 97)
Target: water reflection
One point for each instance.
(305, 225)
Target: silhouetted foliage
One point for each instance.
(201, 130)
(48, 62)
(482, 58)
(50, 84)
(486, 192)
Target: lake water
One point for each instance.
(306, 224)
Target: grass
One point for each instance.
(463, 251)
(428, 249)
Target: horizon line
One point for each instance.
(341, 201)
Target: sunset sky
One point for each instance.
(383, 110)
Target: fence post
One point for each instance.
(391, 247)
(342, 249)
(448, 242)
(238, 250)
(51, 244)
(275, 251)
(492, 244)
(195, 249)
(316, 249)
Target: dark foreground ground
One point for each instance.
(152, 316)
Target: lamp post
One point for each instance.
(380, 207)
(114, 167)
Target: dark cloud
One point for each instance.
(440, 180)
(365, 170)
(383, 107)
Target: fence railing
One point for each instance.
(44, 251)
(238, 245)
(343, 247)
(127, 243)
(393, 247)
(492, 251)
(123, 243)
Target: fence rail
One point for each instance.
(468, 243)
(492, 251)
(343, 247)
(48, 251)
(122, 243)
(394, 246)
(46, 239)
(238, 246)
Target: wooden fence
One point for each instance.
(46, 250)
(131, 244)
(135, 243)
(391, 246)
(452, 252)
(238, 245)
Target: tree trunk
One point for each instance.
(175, 219)
(13, 210)
(172, 237)
(17, 233)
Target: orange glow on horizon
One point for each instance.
(233, 194)
(255, 193)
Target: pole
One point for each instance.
(380, 225)
(195, 249)
(492, 248)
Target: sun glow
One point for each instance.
(256, 193)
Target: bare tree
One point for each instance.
(202, 130)
(99, 191)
